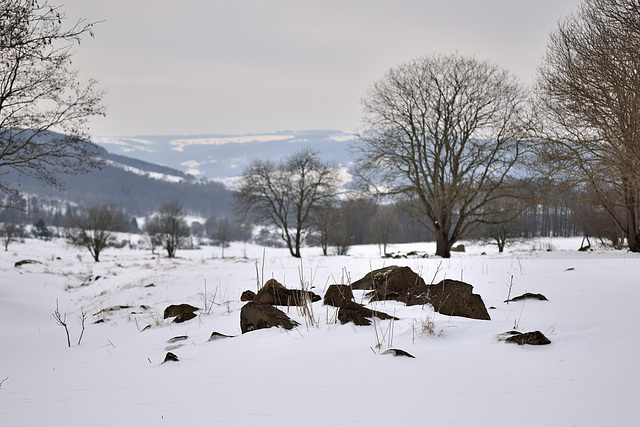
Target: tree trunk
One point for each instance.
(443, 245)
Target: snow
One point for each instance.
(179, 144)
(153, 175)
(322, 374)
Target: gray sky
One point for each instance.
(236, 66)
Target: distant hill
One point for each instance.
(141, 173)
(224, 157)
(138, 186)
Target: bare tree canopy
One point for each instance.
(169, 228)
(94, 228)
(286, 194)
(43, 106)
(443, 134)
(588, 94)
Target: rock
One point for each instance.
(398, 352)
(346, 315)
(531, 338)
(390, 281)
(449, 297)
(337, 295)
(275, 293)
(177, 310)
(454, 298)
(247, 296)
(218, 336)
(358, 314)
(112, 308)
(459, 248)
(183, 317)
(26, 261)
(528, 295)
(170, 357)
(261, 315)
(178, 338)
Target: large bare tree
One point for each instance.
(443, 134)
(43, 105)
(588, 95)
(169, 228)
(94, 229)
(284, 195)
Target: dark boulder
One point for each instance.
(528, 295)
(399, 352)
(247, 296)
(531, 338)
(453, 298)
(337, 295)
(390, 282)
(180, 309)
(275, 293)
(183, 317)
(218, 336)
(178, 338)
(26, 261)
(449, 297)
(358, 314)
(170, 357)
(260, 315)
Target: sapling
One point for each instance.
(83, 317)
(62, 321)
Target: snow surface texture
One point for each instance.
(321, 374)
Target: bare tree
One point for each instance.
(322, 221)
(94, 228)
(286, 194)
(169, 227)
(443, 134)
(222, 233)
(43, 106)
(588, 93)
(9, 233)
(384, 227)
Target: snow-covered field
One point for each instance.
(320, 374)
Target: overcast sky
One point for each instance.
(234, 67)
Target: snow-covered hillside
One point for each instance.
(323, 373)
(224, 157)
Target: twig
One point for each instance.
(510, 285)
(62, 321)
(2, 382)
(436, 273)
(83, 317)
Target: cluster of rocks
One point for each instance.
(448, 297)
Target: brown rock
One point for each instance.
(176, 310)
(218, 336)
(450, 297)
(358, 314)
(337, 295)
(260, 315)
(183, 317)
(531, 338)
(455, 298)
(247, 296)
(390, 281)
(170, 357)
(275, 293)
(528, 295)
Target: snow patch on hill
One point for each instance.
(153, 175)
